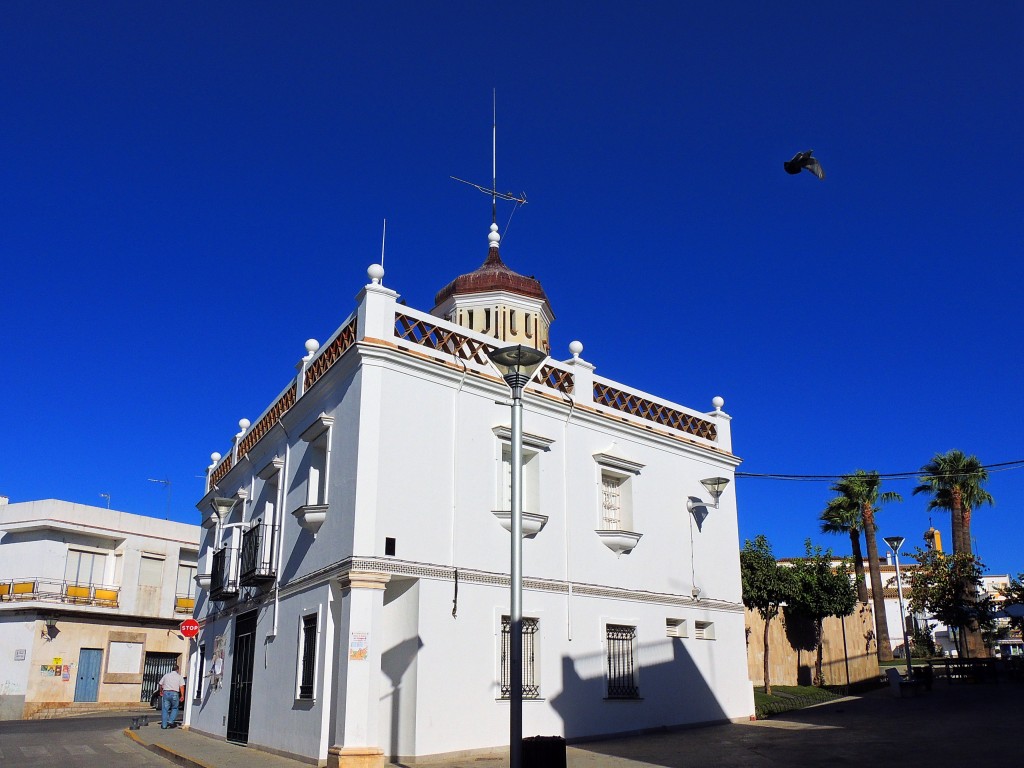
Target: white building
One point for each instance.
(359, 582)
(90, 603)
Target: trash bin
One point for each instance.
(544, 752)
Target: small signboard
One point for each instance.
(189, 628)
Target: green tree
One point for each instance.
(821, 589)
(766, 585)
(956, 482)
(842, 516)
(864, 490)
(936, 589)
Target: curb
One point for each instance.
(167, 753)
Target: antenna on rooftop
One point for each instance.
(383, 237)
(519, 199)
(107, 497)
(167, 486)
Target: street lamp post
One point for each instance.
(517, 366)
(895, 542)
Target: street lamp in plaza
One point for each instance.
(895, 542)
(517, 366)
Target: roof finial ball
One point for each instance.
(312, 345)
(243, 424)
(214, 457)
(376, 273)
(576, 347)
(718, 402)
(494, 238)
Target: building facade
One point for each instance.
(356, 548)
(90, 603)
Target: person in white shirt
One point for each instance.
(172, 691)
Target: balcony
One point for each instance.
(224, 577)
(57, 591)
(184, 604)
(257, 564)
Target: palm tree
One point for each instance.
(956, 482)
(841, 516)
(864, 491)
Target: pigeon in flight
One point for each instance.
(804, 161)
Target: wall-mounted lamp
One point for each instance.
(715, 486)
(50, 622)
(222, 506)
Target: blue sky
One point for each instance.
(188, 191)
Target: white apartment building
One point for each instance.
(90, 603)
(356, 549)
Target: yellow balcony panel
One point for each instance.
(106, 596)
(184, 604)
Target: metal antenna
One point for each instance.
(167, 485)
(383, 237)
(493, 189)
(107, 497)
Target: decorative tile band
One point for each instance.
(341, 344)
(267, 422)
(652, 411)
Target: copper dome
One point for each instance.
(492, 275)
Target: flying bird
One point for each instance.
(804, 161)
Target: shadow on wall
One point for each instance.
(671, 691)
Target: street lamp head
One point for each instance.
(715, 486)
(517, 365)
(894, 542)
(222, 506)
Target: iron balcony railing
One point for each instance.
(257, 554)
(59, 591)
(224, 576)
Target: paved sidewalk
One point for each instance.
(952, 725)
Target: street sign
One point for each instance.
(189, 627)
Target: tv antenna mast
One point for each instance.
(519, 199)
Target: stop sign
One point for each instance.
(189, 627)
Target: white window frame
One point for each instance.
(318, 453)
(611, 467)
(533, 446)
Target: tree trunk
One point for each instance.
(957, 522)
(767, 678)
(858, 566)
(973, 641)
(819, 674)
(877, 598)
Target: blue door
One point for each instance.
(88, 686)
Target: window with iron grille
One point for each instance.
(621, 667)
(307, 653)
(531, 676)
(611, 502)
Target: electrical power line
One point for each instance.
(912, 475)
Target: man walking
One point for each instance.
(172, 691)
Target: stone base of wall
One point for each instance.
(355, 757)
(44, 710)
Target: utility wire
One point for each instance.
(912, 475)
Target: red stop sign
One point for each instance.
(189, 627)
